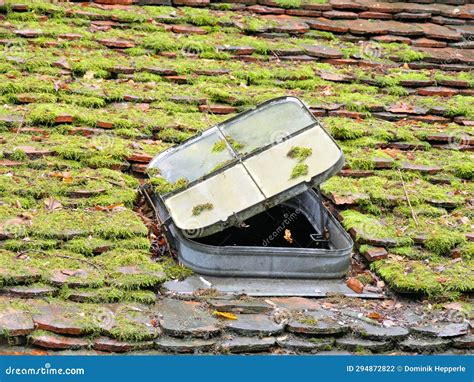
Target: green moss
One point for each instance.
(307, 320)
(18, 155)
(66, 224)
(442, 242)
(300, 169)
(369, 227)
(162, 186)
(174, 270)
(219, 146)
(22, 245)
(299, 153)
(200, 208)
(415, 277)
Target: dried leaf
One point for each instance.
(287, 236)
(226, 315)
(375, 316)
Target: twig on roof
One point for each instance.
(56, 255)
(413, 214)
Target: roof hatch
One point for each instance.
(245, 165)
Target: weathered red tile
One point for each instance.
(439, 32)
(218, 109)
(53, 341)
(375, 15)
(375, 253)
(428, 43)
(408, 16)
(14, 322)
(437, 91)
(421, 168)
(64, 118)
(327, 25)
(347, 5)
(140, 157)
(104, 124)
(117, 44)
(28, 33)
(192, 3)
(188, 29)
(322, 51)
(263, 10)
(340, 15)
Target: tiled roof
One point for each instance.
(90, 93)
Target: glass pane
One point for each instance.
(195, 158)
(267, 124)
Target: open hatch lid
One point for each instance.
(245, 165)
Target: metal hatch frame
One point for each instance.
(237, 218)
